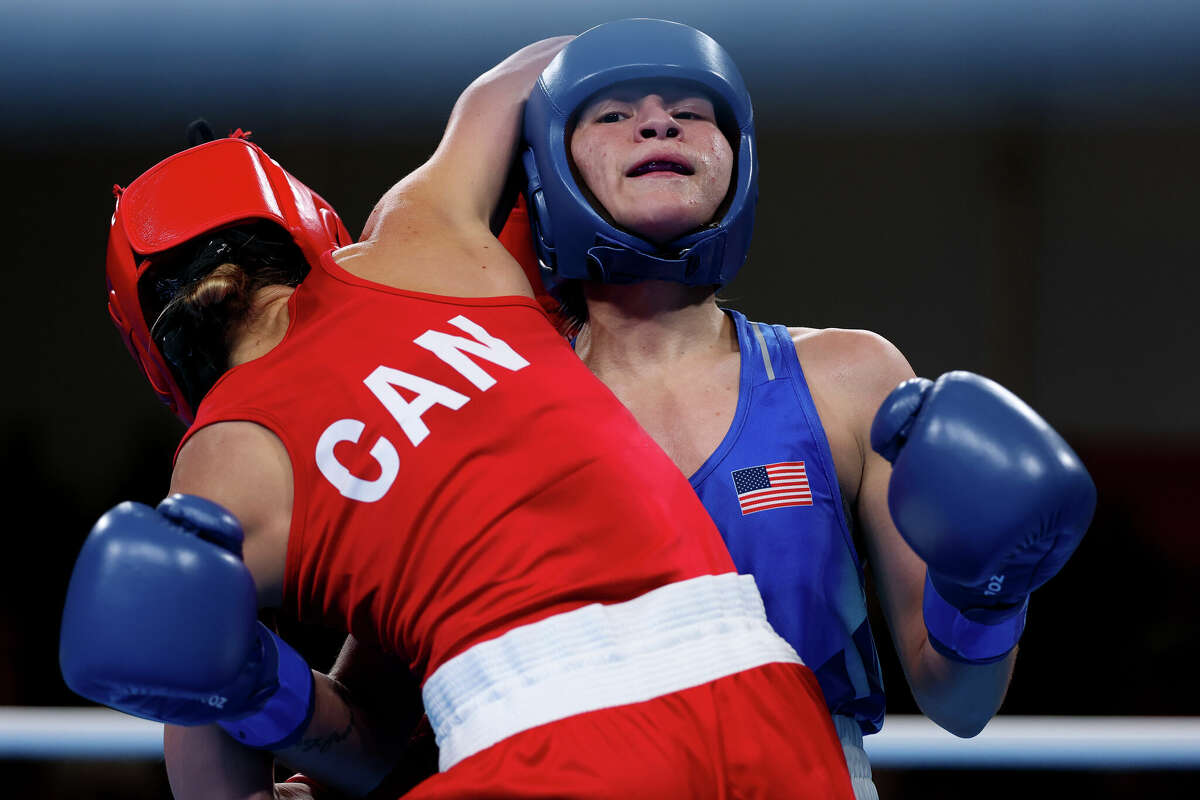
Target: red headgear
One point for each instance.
(198, 191)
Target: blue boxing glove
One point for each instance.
(989, 496)
(160, 622)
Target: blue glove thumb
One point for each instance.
(894, 420)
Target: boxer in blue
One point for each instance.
(643, 169)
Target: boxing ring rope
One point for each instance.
(907, 742)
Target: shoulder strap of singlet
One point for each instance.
(769, 354)
(761, 355)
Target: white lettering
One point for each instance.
(385, 382)
(354, 488)
(994, 585)
(451, 349)
(407, 414)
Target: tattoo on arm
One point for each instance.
(322, 744)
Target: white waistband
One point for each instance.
(851, 736)
(599, 656)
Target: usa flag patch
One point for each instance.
(772, 486)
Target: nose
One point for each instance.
(653, 120)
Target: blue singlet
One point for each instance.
(797, 544)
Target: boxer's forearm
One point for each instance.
(203, 763)
(339, 748)
(961, 698)
(345, 747)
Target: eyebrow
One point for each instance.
(669, 97)
(629, 99)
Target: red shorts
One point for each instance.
(761, 733)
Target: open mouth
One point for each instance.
(657, 165)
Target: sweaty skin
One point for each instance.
(657, 163)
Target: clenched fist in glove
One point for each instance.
(989, 496)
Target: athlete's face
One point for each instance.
(656, 161)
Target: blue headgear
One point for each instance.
(573, 240)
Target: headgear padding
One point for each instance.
(573, 239)
(193, 193)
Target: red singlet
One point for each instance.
(462, 482)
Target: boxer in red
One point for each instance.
(391, 438)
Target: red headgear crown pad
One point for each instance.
(192, 193)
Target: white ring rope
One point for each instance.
(1116, 743)
(907, 742)
(56, 733)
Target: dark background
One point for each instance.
(1006, 187)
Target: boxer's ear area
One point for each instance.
(514, 183)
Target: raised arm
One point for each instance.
(431, 231)
(958, 696)
(994, 502)
(969, 501)
(469, 167)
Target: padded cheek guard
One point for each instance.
(193, 193)
(572, 238)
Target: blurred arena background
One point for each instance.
(1006, 186)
